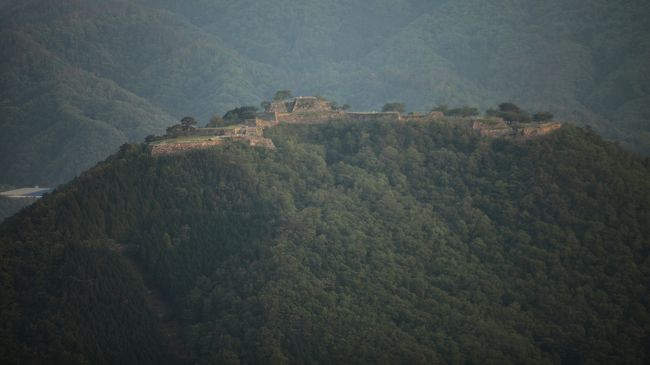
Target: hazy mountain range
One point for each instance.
(80, 77)
(415, 242)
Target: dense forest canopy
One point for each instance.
(351, 243)
(80, 77)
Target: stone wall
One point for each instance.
(169, 148)
(265, 123)
(539, 129)
(424, 117)
(492, 127)
(206, 132)
(330, 116)
(300, 104)
(373, 117)
(497, 127)
(310, 117)
(267, 116)
(310, 104)
(279, 107)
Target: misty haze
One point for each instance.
(404, 181)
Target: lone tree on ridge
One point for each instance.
(188, 123)
(394, 107)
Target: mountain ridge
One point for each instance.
(205, 58)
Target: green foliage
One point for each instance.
(10, 206)
(508, 107)
(510, 113)
(351, 243)
(185, 126)
(175, 130)
(394, 107)
(188, 122)
(542, 117)
(215, 122)
(239, 114)
(443, 108)
(464, 112)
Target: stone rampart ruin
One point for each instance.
(300, 104)
(539, 129)
(497, 127)
(316, 110)
(178, 147)
(494, 127)
(373, 117)
(169, 148)
(311, 117)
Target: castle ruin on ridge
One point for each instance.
(317, 110)
(313, 110)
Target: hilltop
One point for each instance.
(349, 242)
(247, 125)
(81, 77)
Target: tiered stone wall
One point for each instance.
(279, 107)
(266, 123)
(497, 127)
(373, 117)
(267, 116)
(492, 127)
(310, 104)
(310, 117)
(424, 117)
(169, 148)
(540, 129)
(206, 132)
(330, 116)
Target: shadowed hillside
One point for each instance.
(349, 243)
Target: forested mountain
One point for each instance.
(350, 243)
(80, 77)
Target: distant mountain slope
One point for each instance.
(584, 61)
(81, 77)
(58, 119)
(351, 243)
(150, 52)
